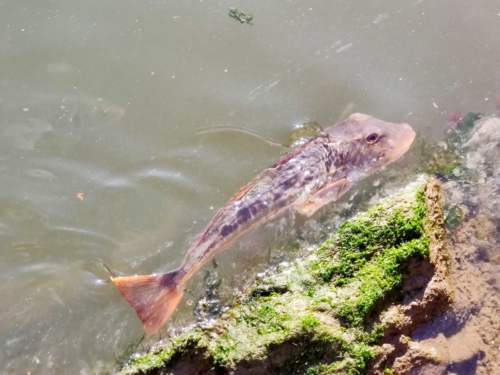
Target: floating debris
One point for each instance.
(240, 16)
(234, 129)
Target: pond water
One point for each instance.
(103, 163)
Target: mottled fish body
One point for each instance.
(309, 177)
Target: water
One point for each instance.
(102, 164)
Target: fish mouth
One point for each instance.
(402, 140)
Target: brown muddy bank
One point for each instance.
(464, 340)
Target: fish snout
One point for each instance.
(401, 140)
(407, 134)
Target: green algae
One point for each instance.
(446, 159)
(240, 16)
(309, 323)
(454, 217)
(357, 241)
(463, 129)
(147, 363)
(304, 132)
(319, 315)
(377, 279)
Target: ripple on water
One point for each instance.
(39, 173)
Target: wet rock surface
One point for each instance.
(464, 340)
(345, 308)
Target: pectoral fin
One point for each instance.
(330, 193)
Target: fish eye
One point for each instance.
(372, 138)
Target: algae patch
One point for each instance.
(446, 158)
(322, 313)
(240, 16)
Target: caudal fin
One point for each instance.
(154, 297)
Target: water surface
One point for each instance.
(100, 157)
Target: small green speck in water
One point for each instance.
(240, 16)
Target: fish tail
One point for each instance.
(154, 297)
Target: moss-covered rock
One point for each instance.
(446, 158)
(325, 313)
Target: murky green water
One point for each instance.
(101, 161)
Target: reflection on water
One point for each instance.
(101, 163)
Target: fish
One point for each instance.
(309, 177)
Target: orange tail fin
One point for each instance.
(154, 297)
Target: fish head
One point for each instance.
(365, 144)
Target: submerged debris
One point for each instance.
(303, 133)
(234, 129)
(447, 157)
(299, 135)
(209, 305)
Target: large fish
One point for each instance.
(309, 177)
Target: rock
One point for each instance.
(467, 333)
(336, 310)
